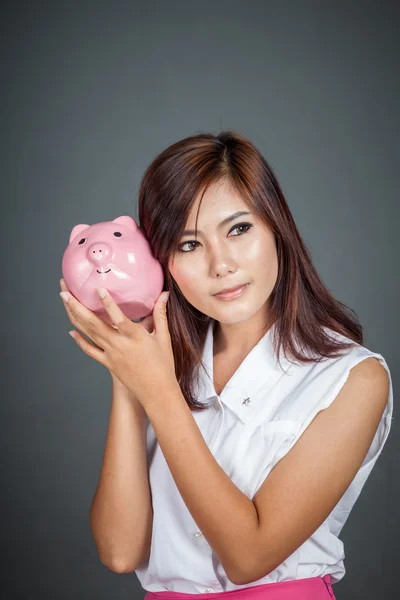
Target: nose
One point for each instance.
(222, 264)
(99, 253)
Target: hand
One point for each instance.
(141, 360)
(147, 323)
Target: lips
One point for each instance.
(231, 290)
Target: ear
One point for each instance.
(127, 221)
(77, 229)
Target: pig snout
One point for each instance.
(99, 254)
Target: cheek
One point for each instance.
(254, 252)
(261, 255)
(186, 277)
(259, 251)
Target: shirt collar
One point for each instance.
(258, 373)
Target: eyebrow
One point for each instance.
(235, 215)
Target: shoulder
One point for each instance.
(371, 376)
(366, 368)
(362, 399)
(370, 369)
(358, 376)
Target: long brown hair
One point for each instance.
(301, 304)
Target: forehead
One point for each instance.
(219, 201)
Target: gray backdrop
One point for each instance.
(90, 93)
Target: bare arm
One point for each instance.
(223, 513)
(121, 514)
(306, 484)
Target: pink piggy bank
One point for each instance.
(115, 255)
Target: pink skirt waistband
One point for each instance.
(310, 588)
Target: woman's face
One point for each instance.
(224, 256)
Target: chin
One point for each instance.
(233, 316)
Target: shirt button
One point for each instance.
(198, 534)
(208, 591)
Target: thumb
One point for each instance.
(160, 314)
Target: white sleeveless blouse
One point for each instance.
(259, 416)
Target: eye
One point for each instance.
(117, 233)
(246, 225)
(82, 241)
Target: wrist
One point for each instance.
(160, 397)
(122, 395)
(119, 386)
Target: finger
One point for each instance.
(89, 349)
(72, 319)
(119, 319)
(87, 321)
(78, 325)
(65, 289)
(161, 318)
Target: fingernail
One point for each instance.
(65, 296)
(164, 297)
(102, 292)
(72, 334)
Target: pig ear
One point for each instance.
(127, 221)
(77, 229)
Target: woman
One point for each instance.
(257, 415)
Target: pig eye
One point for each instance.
(117, 234)
(82, 241)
